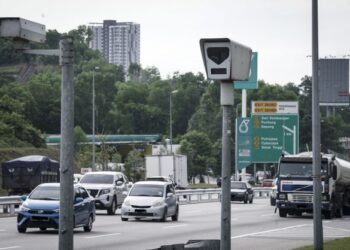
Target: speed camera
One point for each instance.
(225, 60)
(22, 29)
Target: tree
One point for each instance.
(198, 148)
(133, 165)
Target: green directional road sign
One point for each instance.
(243, 143)
(272, 135)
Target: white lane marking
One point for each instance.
(182, 225)
(268, 231)
(337, 228)
(14, 247)
(265, 215)
(234, 218)
(99, 236)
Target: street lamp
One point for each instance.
(171, 119)
(93, 118)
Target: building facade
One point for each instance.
(119, 42)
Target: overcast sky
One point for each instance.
(279, 30)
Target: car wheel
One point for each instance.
(124, 219)
(282, 212)
(42, 228)
(163, 219)
(88, 226)
(112, 208)
(21, 229)
(251, 200)
(175, 217)
(245, 200)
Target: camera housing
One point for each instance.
(225, 59)
(22, 29)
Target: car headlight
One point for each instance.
(24, 208)
(158, 203)
(126, 203)
(282, 196)
(105, 191)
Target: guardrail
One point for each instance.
(213, 194)
(8, 203)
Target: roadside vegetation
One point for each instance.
(136, 104)
(338, 244)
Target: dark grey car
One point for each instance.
(241, 191)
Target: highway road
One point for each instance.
(254, 226)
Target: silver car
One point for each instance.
(109, 189)
(151, 200)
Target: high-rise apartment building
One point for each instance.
(119, 42)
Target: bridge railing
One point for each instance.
(8, 204)
(213, 194)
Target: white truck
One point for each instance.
(295, 185)
(172, 166)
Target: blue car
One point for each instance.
(41, 208)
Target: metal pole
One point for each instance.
(316, 135)
(244, 115)
(93, 121)
(171, 123)
(67, 147)
(226, 101)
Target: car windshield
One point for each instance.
(147, 190)
(45, 193)
(97, 179)
(287, 169)
(238, 185)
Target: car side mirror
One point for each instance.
(23, 197)
(119, 183)
(168, 195)
(79, 199)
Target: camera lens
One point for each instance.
(218, 54)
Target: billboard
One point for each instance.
(333, 82)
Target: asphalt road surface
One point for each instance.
(253, 226)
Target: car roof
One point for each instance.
(103, 172)
(160, 183)
(56, 184)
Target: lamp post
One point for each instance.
(93, 118)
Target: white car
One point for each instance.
(109, 189)
(150, 200)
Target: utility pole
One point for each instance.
(67, 147)
(316, 135)
(226, 101)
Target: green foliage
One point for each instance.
(198, 148)
(133, 165)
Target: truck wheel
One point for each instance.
(328, 214)
(112, 208)
(339, 213)
(282, 212)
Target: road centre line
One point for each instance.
(99, 236)
(182, 225)
(6, 248)
(268, 231)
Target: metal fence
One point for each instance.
(8, 203)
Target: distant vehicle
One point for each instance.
(20, 176)
(241, 191)
(109, 189)
(172, 166)
(151, 200)
(41, 208)
(77, 178)
(161, 178)
(267, 183)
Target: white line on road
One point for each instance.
(268, 231)
(265, 215)
(234, 218)
(182, 225)
(14, 247)
(99, 236)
